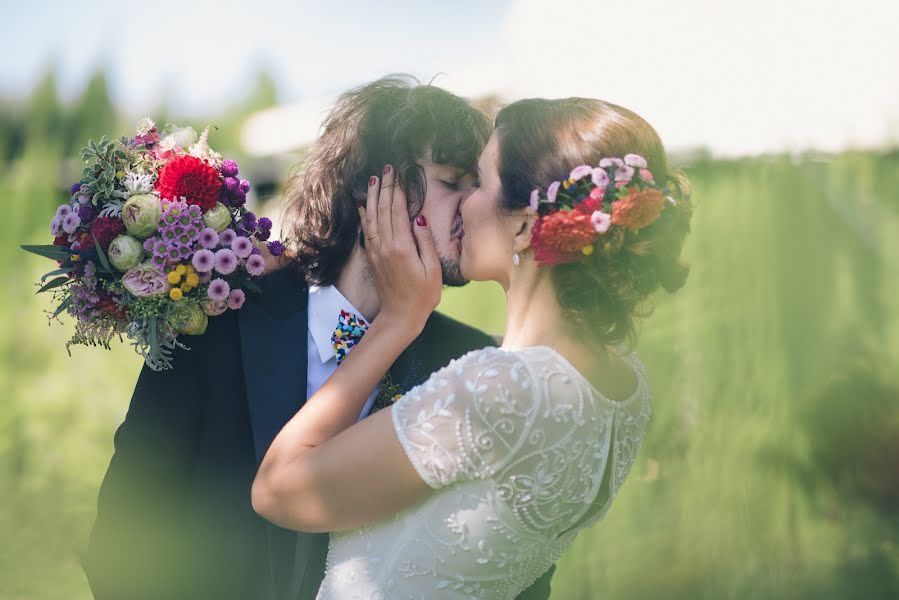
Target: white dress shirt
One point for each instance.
(325, 304)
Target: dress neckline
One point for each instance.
(627, 356)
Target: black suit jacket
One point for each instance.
(174, 518)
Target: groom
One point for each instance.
(174, 518)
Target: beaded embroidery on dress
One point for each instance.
(517, 443)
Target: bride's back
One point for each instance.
(518, 445)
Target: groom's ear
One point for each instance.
(525, 221)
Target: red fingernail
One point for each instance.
(421, 221)
(386, 169)
(372, 180)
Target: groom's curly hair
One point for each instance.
(394, 120)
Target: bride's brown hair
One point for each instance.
(541, 141)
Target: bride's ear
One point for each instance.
(525, 222)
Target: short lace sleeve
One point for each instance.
(468, 420)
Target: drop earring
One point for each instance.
(516, 260)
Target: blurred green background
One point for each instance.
(771, 465)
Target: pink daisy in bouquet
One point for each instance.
(154, 240)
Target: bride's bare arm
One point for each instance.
(324, 472)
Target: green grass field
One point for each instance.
(769, 468)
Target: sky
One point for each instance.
(736, 77)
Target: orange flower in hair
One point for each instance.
(638, 209)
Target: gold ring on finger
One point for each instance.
(373, 236)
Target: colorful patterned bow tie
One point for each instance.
(350, 330)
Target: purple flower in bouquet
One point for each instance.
(265, 229)
(84, 294)
(226, 237)
(85, 212)
(276, 248)
(255, 265)
(218, 289)
(180, 226)
(225, 261)
(242, 247)
(209, 238)
(203, 260)
(71, 222)
(229, 168)
(231, 184)
(249, 221)
(236, 299)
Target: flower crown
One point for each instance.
(578, 212)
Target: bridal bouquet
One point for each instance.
(154, 240)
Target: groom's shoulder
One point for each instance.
(453, 335)
(286, 280)
(280, 293)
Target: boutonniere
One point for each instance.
(389, 391)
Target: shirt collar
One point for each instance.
(325, 304)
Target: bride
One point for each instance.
(475, 482)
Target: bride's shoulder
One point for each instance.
(489, 358)
(486, 367)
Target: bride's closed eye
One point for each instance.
(453, 185)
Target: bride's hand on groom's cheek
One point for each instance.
(401, 254)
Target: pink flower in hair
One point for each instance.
(535, 200)
(624, 173)
(635, 160)
(600, 178)
(580, 172)
(601, 221)
(552, 190)
(646, 175)
(608, 162)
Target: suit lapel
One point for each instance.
(273, 343)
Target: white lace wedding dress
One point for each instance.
(517, 444)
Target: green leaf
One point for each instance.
(49, 251)
(65, 304)
(251, 285)
(53, 283)
(102, 256)
(56, 272)
(151, 335)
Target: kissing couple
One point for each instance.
(337, 438)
